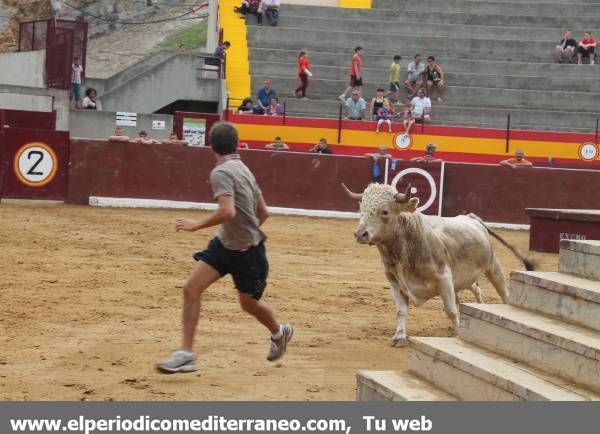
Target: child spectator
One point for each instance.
(89, 102)
(250, 7)
(383, 114)
(587, 48)
(247, 107)
(119, 136)
(277, 145)
(76, 74)
(274, 109)
(143, 138)
(394, 78)
(174, 140)
(303, 74)
(376, 104)
(408, 118)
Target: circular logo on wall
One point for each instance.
(402, 141)
(423, 185)
(35, 164)
(588, 151)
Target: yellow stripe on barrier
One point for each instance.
(357, 4)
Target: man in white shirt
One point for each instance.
(414, 80)
(271, 9)
(421, 107)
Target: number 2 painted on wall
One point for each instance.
(32, 171)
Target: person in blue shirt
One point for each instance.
(264, 97)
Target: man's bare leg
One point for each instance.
(201, 277)
(259, 310)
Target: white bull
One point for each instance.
(424, 256)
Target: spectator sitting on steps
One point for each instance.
(264, 96)
(567, 47)
(174, 140)
(247, 107)
(587, 48)
(143, 138)
(429, 156)
(277, 145)
(384, 115)
(89, 102)
(408, 118)
(250, 7)
(414, 81)
(274, 109)
(322, 147)
(435, 78)
(421, 107)
(119, 136)
(517, 161)
(355, 107)
(271, 8)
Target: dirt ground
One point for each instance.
(90, 299)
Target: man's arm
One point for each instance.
(225, 212)
(261, 209)
(507, 163)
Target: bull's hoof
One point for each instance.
(399, 342)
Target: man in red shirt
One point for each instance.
(356, 79)
(586, 48)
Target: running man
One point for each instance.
(356, 79)
(238, 249)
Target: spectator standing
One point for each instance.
(408, 118)
(144, 138)
(394, 78)
(517, 161)
(429, 156)
(378, 157)
(421, 107)
(251, 7)
(355, 107)
(119, 136)
(435, 78)
(219, 57)
(586, 48)
(383, 115)
(89, 102)
(356, 78)
(264, 96)
(567, 47)
(322, 147)
(377, 103)
(76, 75)
(174, 140)
(303, 74)
(277, 145)
(271, 8)
(414, 81)
(274, 109)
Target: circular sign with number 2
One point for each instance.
(35, 164)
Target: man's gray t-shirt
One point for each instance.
(231, 177)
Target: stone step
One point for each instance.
(396, 386)
(499, 7)
(420, 29)
(409, 14)
(473, 78)
(473, 373)
(581, 258)
(568, 351)
(450, 64)
(570, 298)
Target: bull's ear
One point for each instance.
(412, 204)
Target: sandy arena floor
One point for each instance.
(90, 299)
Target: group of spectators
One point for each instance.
(569, 46)
(320, 148)
(89, 101)
(143, 137)
(257, 7)
(267, 102)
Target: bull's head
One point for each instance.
(380, 207)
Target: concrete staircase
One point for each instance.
(497, 55)
(543, 345)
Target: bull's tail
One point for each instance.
(529, 263)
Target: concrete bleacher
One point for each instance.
(497, 55)
(543, 345)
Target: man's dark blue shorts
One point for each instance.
(249, 268)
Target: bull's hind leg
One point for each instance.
(476, 290)
(494, 274)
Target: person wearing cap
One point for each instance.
(429, 156)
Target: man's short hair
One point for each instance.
(226, 44)
(143, 133)
(357, 49)
(223, 138)
(277, 138)
(397, 57)
(380, 89)
(417, 55)
(431, 58)
(430, 147)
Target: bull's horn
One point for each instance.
(352, 195)
(404, 197)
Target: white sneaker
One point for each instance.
(180, 361)
(342, 98)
